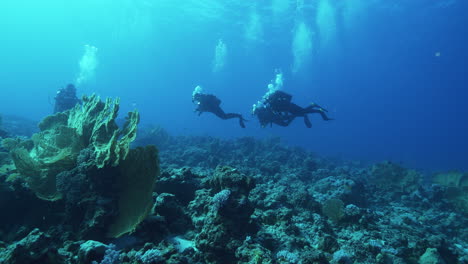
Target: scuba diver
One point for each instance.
(210, 103)
(283, 111)
(281, 102)
(66, 99)
(266, 116)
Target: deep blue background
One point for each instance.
(379, 75)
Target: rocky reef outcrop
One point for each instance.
(229, 201)
(81, 161)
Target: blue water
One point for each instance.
(392, 73)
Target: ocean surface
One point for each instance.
(393, 74)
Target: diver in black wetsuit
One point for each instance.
(267, 116)
(280, 103)
(210, 103)
(66, 99)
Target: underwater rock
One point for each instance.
(217, 241)
(251, 252)
(237, 207)
(455, 188)
(150, 256)
(181, 182)
(269, 196)
(226, 177)
(56, 147)
(389, 176)
(168, 206)
(82, 154)
(342, 257)
(225, 226)
(111, 256)
(192, 156)
(240, 213)
(163, 253)
(111, 201)
(313, 256)
(328, 243)
(91, 251)
(36, 247)
(431, 256)
(21, 210)
(338, 187)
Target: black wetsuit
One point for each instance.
(66, 99)
(210, 103)
(280, 102)
(266, 116)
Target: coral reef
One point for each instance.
(34, 248)
(391, 176)
(226, 201)
(138, 173)
(61, 138)
(455, 188)
(81, 155)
